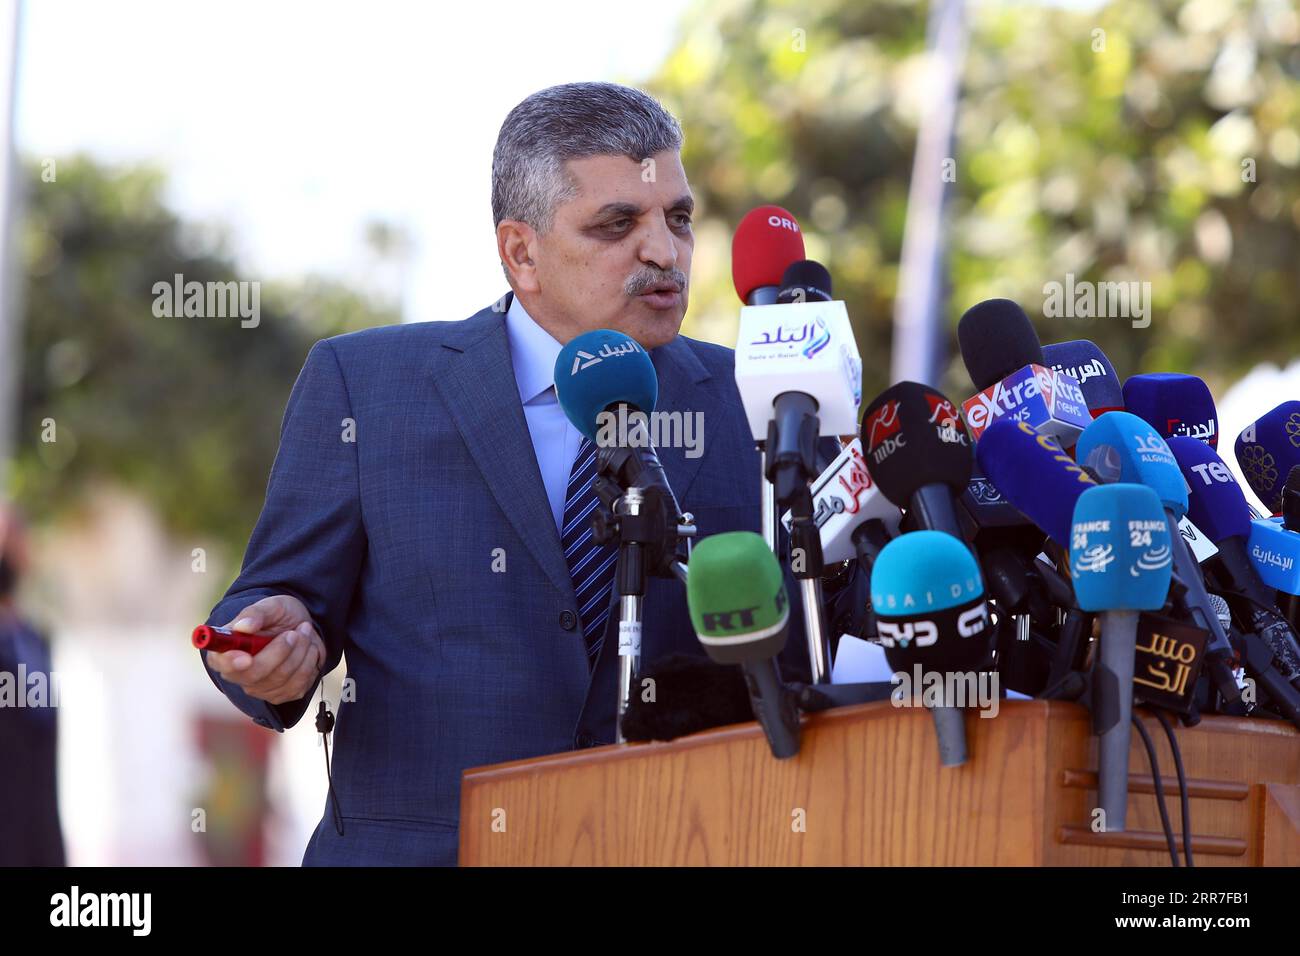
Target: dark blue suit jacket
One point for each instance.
(389, 541)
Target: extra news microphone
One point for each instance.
(1121, 560)
(919, 453)
(1174, 404)
(765, 243)
(1087, 364)
(933, 620)
(741, 614)
(1120, 447)
(1005, 361)
(1268, 449)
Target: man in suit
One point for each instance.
(428, 511)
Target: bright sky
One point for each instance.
(293, 124)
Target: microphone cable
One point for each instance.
(325, 725)
(1183, 796)
(1159, 787)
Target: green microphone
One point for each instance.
(741, 614)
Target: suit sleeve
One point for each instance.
(309, 541)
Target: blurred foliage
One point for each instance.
(184, 411)
(1114, 155)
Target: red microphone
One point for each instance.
(222, 639)
(766, 242)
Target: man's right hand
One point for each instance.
(287, 667)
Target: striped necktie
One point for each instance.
(591, 565)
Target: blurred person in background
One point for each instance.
(29, 809)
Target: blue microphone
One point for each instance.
(599, 371)
(1121, 447)
(1174, 404)
(1088, 365)
(1121, 557)
(1267, 450)
(933, 621)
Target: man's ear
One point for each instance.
(515, 244)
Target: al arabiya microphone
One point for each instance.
(933, 621)
(1121, 559)
(919, 453)
(1174, 405)
(1005, 360)
(1087, 364)
(741, 614)
(766, 242)
(1267, 449)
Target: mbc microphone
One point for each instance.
(933, 621)
(741, 614)
(1087, 364)
(765, 243)
(1121, 560)
(919, 453)
(1174, 404)
(1267, 450)
(1005, 361)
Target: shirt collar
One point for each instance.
(533, 352)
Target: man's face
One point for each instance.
(618, 255)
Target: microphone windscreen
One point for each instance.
(1033, 472)
(1215, 503)
(735, 593)
(692, 693)
(1121, 556)
(767, 240)
(1119, 446)
(1089, 366)
(996, 338)
(912, 436)
(602, 368)
(928, 599)
(1174, 404)
(1268, 449)
(805, 281)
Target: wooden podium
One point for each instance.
(867, 789)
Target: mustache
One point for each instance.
(644, 282)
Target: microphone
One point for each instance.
(933, 621)
(1217, 505)
(1120, 447)
(852, 517)
(1005, 361)
(918, 452)
(741, 614)
(804, 281)
(1267, 450)
(1121, 559)
(1033, 473)
(1174, 404)
(766, 241)
(1085, 362)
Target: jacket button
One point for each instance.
(568, 620)
(585, 739)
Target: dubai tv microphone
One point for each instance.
(1005, 360)
(1267, 450)
(1120, 447)
(741, 614)
(933, 622)
(1174, 404)
(918, 452)
(1087, 364)
(1121, 559)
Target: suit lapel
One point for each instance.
(679, 372)
(476, 379)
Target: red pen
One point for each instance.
(221, 639)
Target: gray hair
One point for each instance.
(572, 121)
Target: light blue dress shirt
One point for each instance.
(533, 351)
